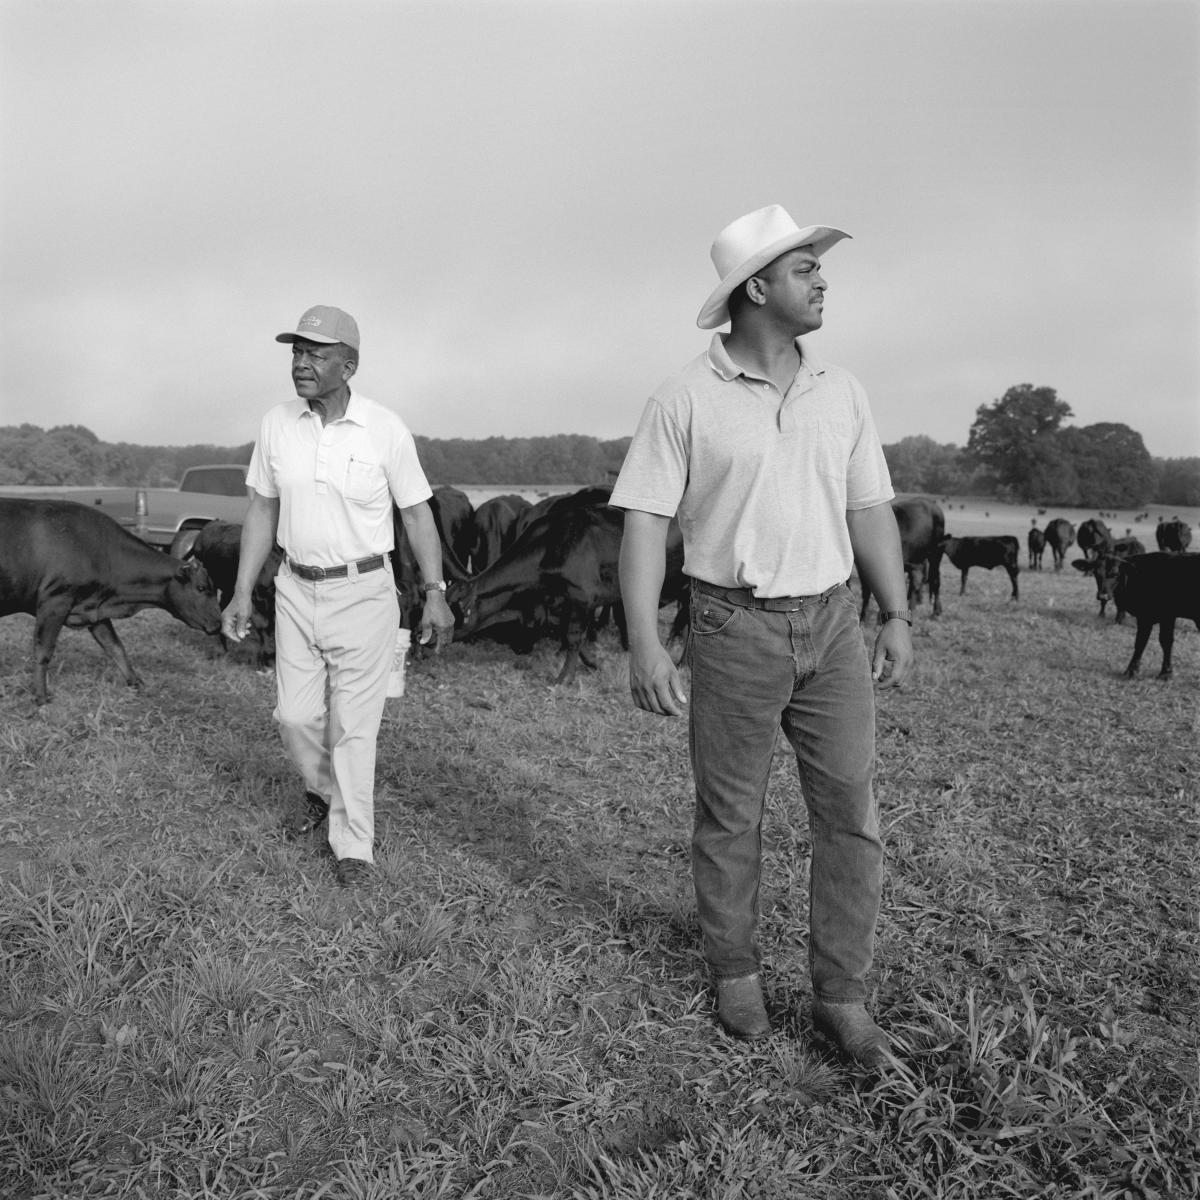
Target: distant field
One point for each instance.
(189, 1009)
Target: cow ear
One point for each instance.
(1082, 564)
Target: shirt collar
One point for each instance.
(354, 410)
(719, 360)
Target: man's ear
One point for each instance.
(755, 289)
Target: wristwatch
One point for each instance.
(895, 614)
(434, 585)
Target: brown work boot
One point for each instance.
(740, 1008)
(848, 1028)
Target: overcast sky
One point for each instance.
(516, 200)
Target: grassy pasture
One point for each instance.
(188, 1008)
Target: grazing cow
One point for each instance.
(408, 574)
(68, 564)
(986, 552)
(1105, 567)
(1060, 533)
(1158, 589)
(1037, 546)
(561, 571)
(1094, 537)
(922, 526)
(495, 529)
(218, 548)
(455, 520)
(1173, 535)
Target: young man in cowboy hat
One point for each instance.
(771, 462)
(324, 475)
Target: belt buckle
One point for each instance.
(316, 574)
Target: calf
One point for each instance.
(1105, 567)
(68, 564)
(1173, 535)
(1060, 533)
(218, 549)
(986, 552)
(1158, 589)
(1037, 546)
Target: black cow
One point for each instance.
(561, 572)
(1105, 567)
(1158, 589)
(495, 529)
(922, 526)
(1173, 535)
(408, 574)
(454, 516)
(1094, 537)
(218, 549)
(986, 552)
(1037, 546)
(1060, 533)
(68, 564)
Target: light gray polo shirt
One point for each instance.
(760, 484)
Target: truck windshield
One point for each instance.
(215, 481)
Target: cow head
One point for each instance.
(1104, 569)
(192, 598)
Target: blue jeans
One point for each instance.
(805, 671)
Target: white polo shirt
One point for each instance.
(336, 483)
(760, 483)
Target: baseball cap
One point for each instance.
(323, 323)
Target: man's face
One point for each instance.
(319, 370)
(794, 289)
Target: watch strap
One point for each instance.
(895, 614)
(434, 585)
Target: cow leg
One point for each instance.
(1166, 639)
(935, 583)
(106, 638)
(1144, 626)
(47, 627)
(962, 590)
(577, 622)
(866, 600)
(1013, 572)
(622, 624)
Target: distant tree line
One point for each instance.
(1018, 449)
(73, 455)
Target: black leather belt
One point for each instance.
(316, 574)
(745, 598)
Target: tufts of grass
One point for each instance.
(518, 1006)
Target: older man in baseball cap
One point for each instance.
(326, 470)
(770, 461)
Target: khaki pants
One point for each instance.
(335, 633)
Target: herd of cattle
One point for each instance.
(519, 571)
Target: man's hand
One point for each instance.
(655, 682)
(893, 656)
(235, 620)
(437, 621)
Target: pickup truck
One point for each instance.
(167, 518)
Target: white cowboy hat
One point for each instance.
(748, 244)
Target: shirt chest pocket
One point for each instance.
(834, 444)
(362, 480)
